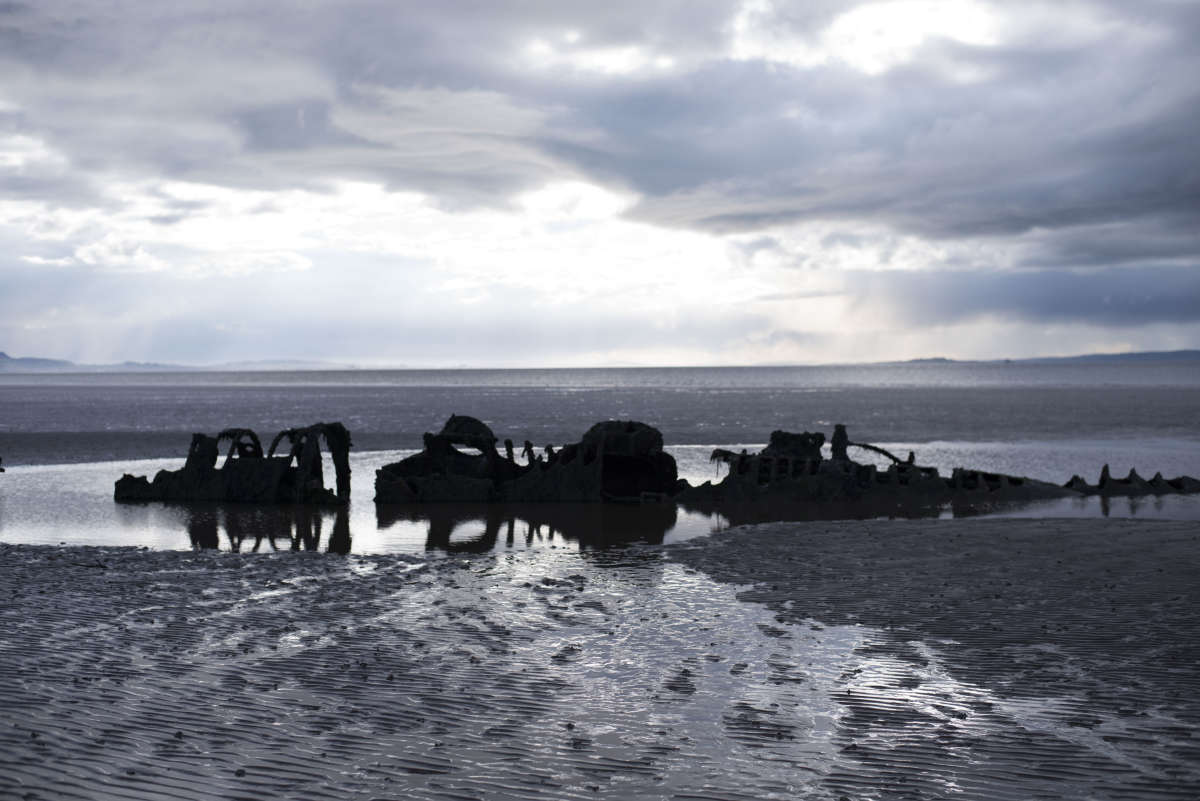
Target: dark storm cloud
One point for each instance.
(1114, 297)
(1164, 239)
(1056, 135)
(945, 161)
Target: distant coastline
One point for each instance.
(1086, 358)
(37, 364)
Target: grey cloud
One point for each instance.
(720, 127)
(294, 126)
(167, 219)
(62, 190)
(1065, 156)
(1059, 136)
(1115, 297)
(805, 339)
(745, 251)
(843, 238)
(201, 96)
(1166, 239)
(181, 205)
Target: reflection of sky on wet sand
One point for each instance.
(521, 675)
(591, 673)
(726, 700)
(997, 660)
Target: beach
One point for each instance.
(728, 401)
(991, 658)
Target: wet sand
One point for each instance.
(881, 659)
(1011, 659)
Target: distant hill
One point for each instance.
(39, 365)
(1140, 357)
(26, 363)
(29, 364)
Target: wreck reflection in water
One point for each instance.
(482, 527)
(250, 527)
(73, 504)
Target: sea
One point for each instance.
(66, 437)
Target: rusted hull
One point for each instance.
(1134, 485)
(791, 469)
(615, 461)
(850, 483)
(248, 475)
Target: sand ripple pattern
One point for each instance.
(547, 674)
(862, 670)
(1048, 659)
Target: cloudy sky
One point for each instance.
(582, 183)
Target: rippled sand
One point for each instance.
(1045, 658)
(931, 659)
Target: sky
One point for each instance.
(660, 182)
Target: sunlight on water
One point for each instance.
(53, 419)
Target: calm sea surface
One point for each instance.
(66, 437)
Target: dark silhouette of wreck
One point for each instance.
(624, 461)
(1133, 485)
(791, 468)
(248, 475)
(614, 461)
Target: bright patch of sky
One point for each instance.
(572, 55)
(872, 37)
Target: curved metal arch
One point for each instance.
(337, 440)
(290, 433)
(236, 436)
(724, 456)
(877, 449)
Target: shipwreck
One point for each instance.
(1134, 485)
(248, 474)
(613, 461)
(793, 469)
(624, 461)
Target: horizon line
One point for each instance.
(290, 365)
